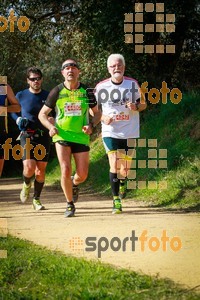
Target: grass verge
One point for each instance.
(32, 272)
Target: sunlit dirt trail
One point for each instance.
(149, 240)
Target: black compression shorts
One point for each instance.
(3, 138)
(75, 147)
(36, 145)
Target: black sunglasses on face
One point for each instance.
(35, 78)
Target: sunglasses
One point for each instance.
(35, 79)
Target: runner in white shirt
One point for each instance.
(120, 100)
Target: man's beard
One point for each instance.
(117, 75)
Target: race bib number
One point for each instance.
(121, 117)
(72, 109)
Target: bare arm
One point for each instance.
(137, 107)
(96, 116)
(137, 104)
(96, 113)
(142, 104)
(46, 120)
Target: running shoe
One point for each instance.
(117, 206)
(37, 205)
(25, 192)
(75, 191)
(70, 210)
(122, 189)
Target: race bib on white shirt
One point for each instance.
(120, 116)
(113, 99)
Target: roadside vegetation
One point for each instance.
(32, 272)
(176, 128)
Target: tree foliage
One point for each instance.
(91, 30)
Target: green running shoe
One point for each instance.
(117, 206)
(37, 205)
(25, 192)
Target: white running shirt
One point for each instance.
(112, 98)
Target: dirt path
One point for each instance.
(95, 227)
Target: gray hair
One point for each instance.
(115, 56)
